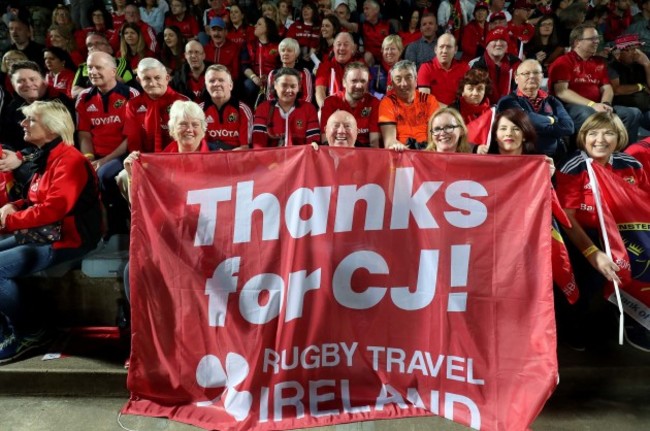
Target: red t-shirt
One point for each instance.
(298, 127)
(585, 77)
(328, 68)
(443, 83)
(366, 113)
(188, 26)
(228, 54)
(373, 36)
(232, 124)
(306, 35)
(103, 116)
(241, 35)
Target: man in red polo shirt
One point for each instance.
(101, 111)
(329, 77)
(441, 75)
(359, 102)
(579, 79)
(230, 122)
(220, 50)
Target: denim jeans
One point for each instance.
(20, 260)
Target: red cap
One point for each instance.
(499, 33)
(497, 15)
(522, 4)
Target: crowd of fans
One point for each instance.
(219, 75)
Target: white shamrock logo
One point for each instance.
(210, 374)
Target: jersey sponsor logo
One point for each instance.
(209, 119)
(142, 108)
(92, 108)
(111, 119)
(223, 133)
(232, 118)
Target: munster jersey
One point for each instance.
(103, 115)
(275, 128)
(229, 127)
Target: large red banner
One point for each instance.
(288, 288)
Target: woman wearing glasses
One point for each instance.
(447, 132)
(550, 119)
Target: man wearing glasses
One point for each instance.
(579, 79)
(551, 120)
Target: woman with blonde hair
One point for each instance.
(600, 141)
(447, 132)
(59, 221)
(391, 52)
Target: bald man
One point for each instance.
(341, 129)
(101, 111)
(189, 80)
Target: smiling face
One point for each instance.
(390, 53)
(601, 143)
(29, 84)
(341, 129)
(446, 133)
(154, 82)
(286, 88)
(496, 49)
(355, 83)
(219, 85)
(188, 133)
(510, 137)
(327, 29)
(101, 71)
(344, 47)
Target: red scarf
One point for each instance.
(471, 112)
(500, 76)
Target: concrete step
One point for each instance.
(79, 362)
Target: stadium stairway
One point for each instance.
(82, 372)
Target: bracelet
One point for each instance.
(591, 103)
(89, 156)
(641, 87)
(589, 251)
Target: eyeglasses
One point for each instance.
(591, 39)
(529, 74)
(447, 129)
